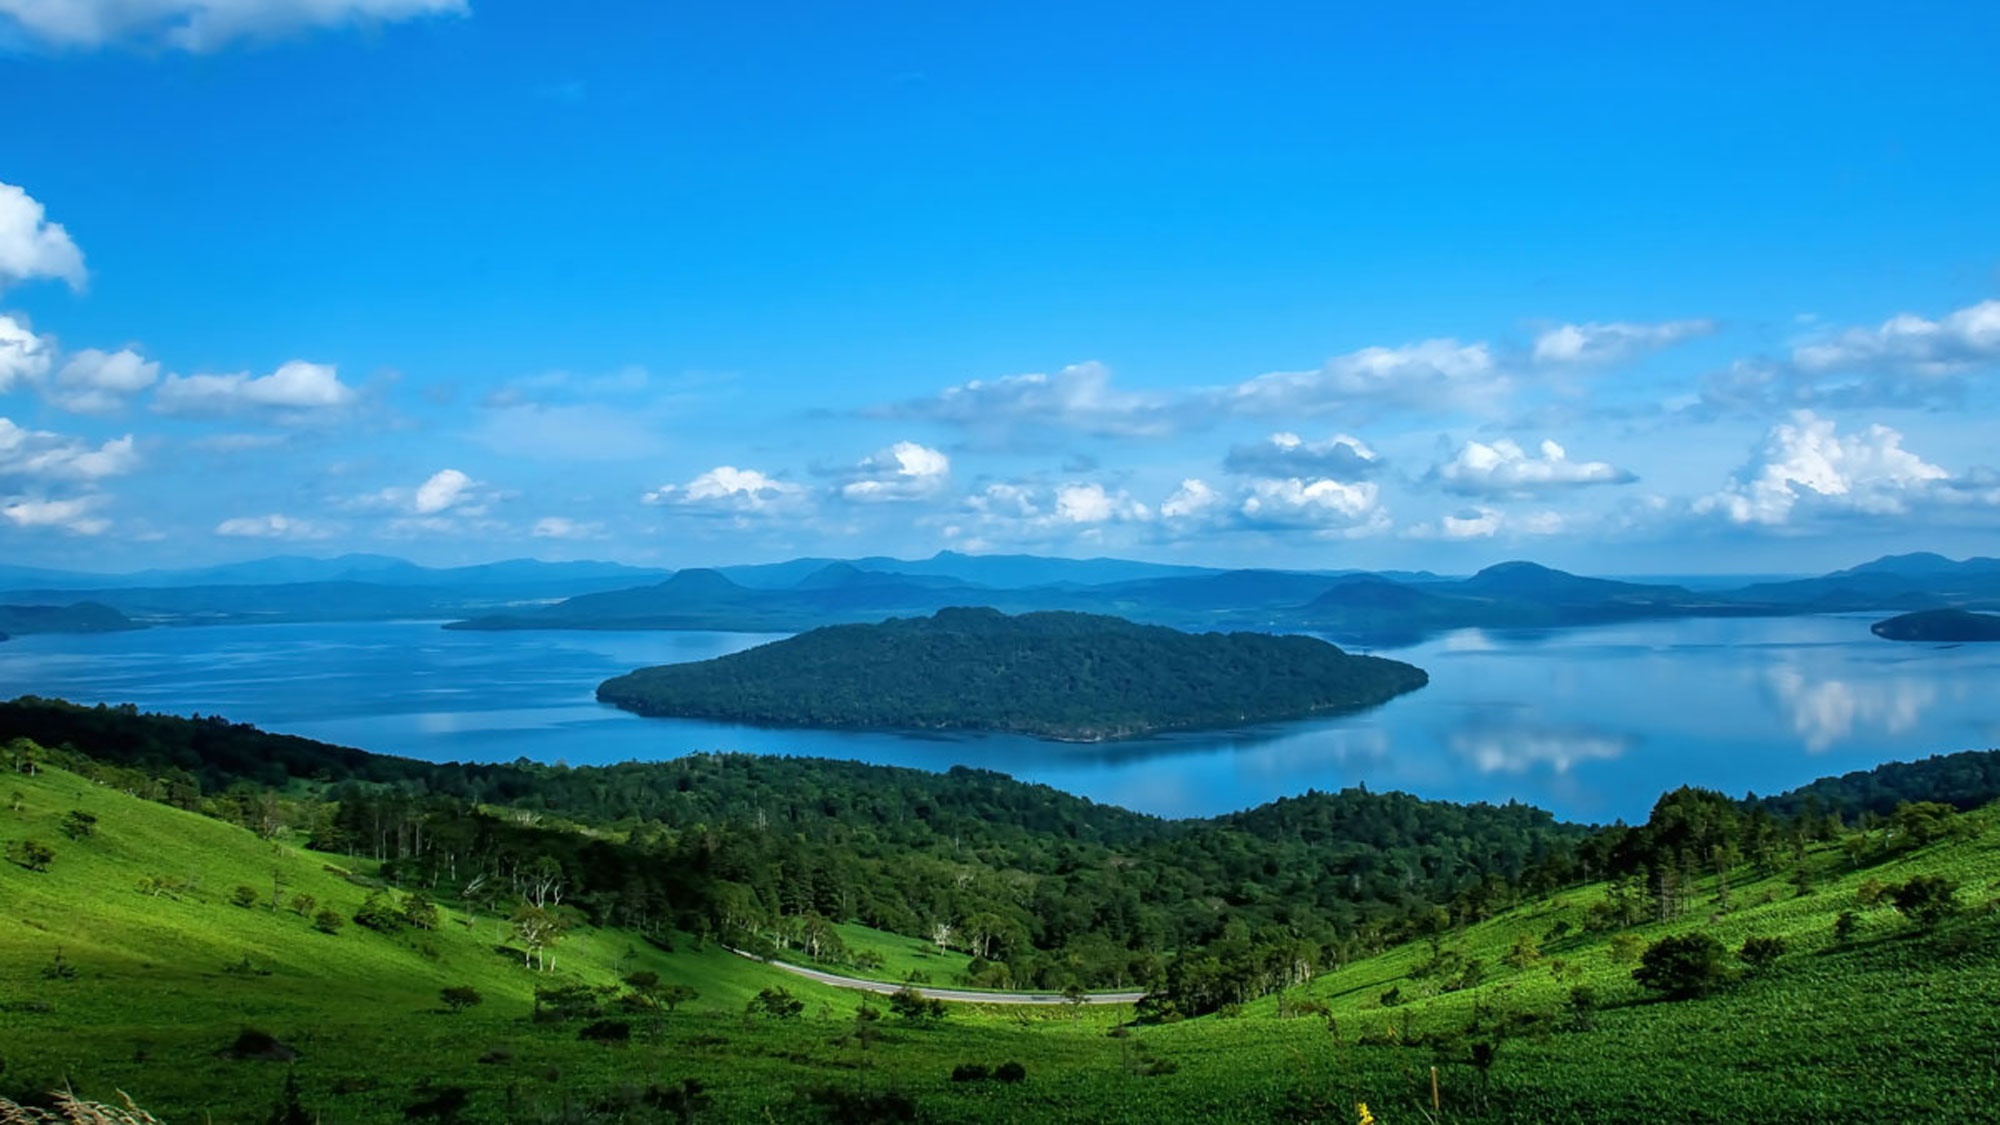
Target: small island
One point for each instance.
(1947, 625)
(1073, 677)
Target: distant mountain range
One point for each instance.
(1352, 606)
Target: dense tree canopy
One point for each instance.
(1055, 675)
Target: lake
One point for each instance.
(1591, 723)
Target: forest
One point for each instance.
(1042, 889)
(1071, 676)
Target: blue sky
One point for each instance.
(1666, 288)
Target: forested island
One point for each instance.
(1057, 675)
(1949, 625)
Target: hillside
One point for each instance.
(1067, 676)
(133, 968)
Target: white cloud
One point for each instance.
(730, 491)
(272, 526)
(1340, 457)
(1911, 345)
(30, 245)
(294, 390)
(49, 456)
(1805, 461)
(446, 489)
(1079, 398)
(1505, 469)
(562, 527)
(1486, 522)
(904, 471)
(1593, 345)
(1193, 500)
(73, 516)
(97, 382)
(1093, 503)
(202, 25)
(1431, 375)
(1293, 502)
(24, 356)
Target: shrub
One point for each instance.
(1681, 966)
(31, 854)
(1010, 1072)
(459, 997)
(79, 824)
(1926, 899)
(606, 1031)
(777, 1004)
(915, 1006)
(1759, 952)
(244, 896)
(419, 912)
(379, 914)
(1845, 926)
(971, 1072)
(328, 921)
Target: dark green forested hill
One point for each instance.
(1054, 675)
(1940, 625)
(82, 617)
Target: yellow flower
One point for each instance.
(1363, 1117)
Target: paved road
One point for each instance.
(955, 995)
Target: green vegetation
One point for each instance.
(80, 617)
(1055, 675)
(1723, 961)
(1939, 625)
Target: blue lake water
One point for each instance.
(1591, 723)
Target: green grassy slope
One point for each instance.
(1893, 1024)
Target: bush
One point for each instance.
(915, 1006)
(459, 997)
(303, 905)
(328, 921)
(1845, 926)
(31, 854)
(777, 1004)
(419, 912)
(971, 1072)
(78, 824)
(1010, 1072)
(606, 1031)
(244, 896)
(379, 914)
(1926, 899)
(1759, 952)
(1682, 966)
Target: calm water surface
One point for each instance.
(1592, 723)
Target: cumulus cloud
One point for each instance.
(97, 382)
(729, 491)
(1505, 469)
(1806, 466)
(24, 356)
(1093, 503)
(294, 391)
(1430, 375)
(904, 471)
(272, 526)
(1907, 361)
(1195, 499)
(1597, 345)
(446, 489)
(1320, 505)
(74, 515)
(1340, 457)
(1079, 398)
(1911, 345)
(435, 506)
(202, 25)
(42, 455)
(30, 245)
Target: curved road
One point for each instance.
(954, 995)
